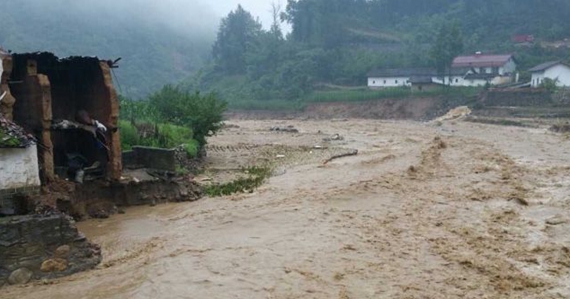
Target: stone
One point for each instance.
(62, 251)
(54, 265)
(20, 276)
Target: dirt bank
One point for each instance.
(457, 210)
(413, 108)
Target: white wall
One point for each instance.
(537, 79)
(389, 82)
(559, 72)
(19, 168)
(508, 68)
(455, 80)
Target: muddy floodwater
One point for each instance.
(447, 210)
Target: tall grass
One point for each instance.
(162, 135)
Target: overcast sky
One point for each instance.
(187, 15)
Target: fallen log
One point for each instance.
(353, 153)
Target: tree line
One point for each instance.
(338, 41)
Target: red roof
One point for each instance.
(480, 60)
(523, 38)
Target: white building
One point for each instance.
(480, 69)
(382, 78)
(473, 70)
(554, 70)
(19, 167)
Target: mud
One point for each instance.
(457, 210)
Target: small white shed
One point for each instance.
(555, 70)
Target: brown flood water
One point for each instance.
(412, 216)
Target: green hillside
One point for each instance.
(338, 41)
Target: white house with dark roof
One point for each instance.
(481, 69)
(554, 70)
(382, 78)
(472, 70)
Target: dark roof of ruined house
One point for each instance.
(14, 136)
(402, 72)
(481, 60)
(544, 66)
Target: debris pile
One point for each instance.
(455, 114)
(287, 129)
(335, 137)
(12, 135)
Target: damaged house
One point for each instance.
(71, 107)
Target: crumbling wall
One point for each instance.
(33, 111)
(8, 100)
(43, 247)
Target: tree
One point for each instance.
(202, 113)
(448, 44)
(236, 34)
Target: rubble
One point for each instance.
(287, 129)
(335, 137)
(455, 114)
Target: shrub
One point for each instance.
(203, 114)
(129, 135)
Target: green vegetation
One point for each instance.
(256, 176)
(7, 140)
(332, 42)
(160, 135)
(337, 42)
(549, 85)
(170, 118)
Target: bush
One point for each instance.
(129, 135)
(203, 114)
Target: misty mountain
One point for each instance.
(159, 44)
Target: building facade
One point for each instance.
(557, 71)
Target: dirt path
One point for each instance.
(460, 210)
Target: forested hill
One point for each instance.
(331, 42)
(338, 41)
(154, 53)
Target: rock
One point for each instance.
(20, 276)
(556, 220)
(62, 251)
(54, 265)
